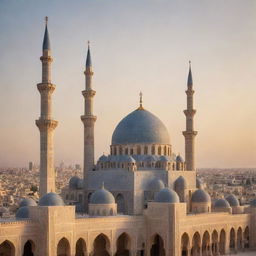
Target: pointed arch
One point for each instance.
(232, 239)
(157, 246)
(123, 245)
(222, 242)
(206, 244)
(246, 238)
(239, 239)
(185, 244)
(29, 248)
(214, 243)
(7, 248)
(196, 244)
(81, 247)
(101, 245)
(63, 247)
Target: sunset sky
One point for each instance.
(136, 45)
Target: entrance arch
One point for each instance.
(232, 240)
(196, 245)
(101, 246)
(29, 248)
(80, 247)
(63, 248)
(120, 204)
(157, 248)
(222, 241)
(7, 248)
(123, 245)
(184, 244)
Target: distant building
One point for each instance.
(30, 166)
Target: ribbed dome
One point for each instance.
(221, 203)
(156, 185)
(22, 213)
(140, 126)
(180, 183)
(102, 196)
(27, 202)
(167, 195)
(233, 201)
(200, 196)
(51, 199)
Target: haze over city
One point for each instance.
(136, 46)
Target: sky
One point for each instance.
(136, 45)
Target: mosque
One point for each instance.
(141, 199)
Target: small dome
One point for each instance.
(167, 195)
(253, 203)
(102, 196)
(156, 185)
(28, 202)
(200, 196)
(233, 201)
(22, 213)
(73, 182)
(221, 203)
(163, 159)
(140, 126)
(51, 199)
(103, 159)
(179, 159)
(180, 183)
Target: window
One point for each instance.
(145, 150)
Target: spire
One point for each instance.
(46, 42)
(190, 79)
(88, 58)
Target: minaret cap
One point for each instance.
(190, 79)
(46, 42)
(88, 57)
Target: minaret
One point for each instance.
(88, 118)
(45, 122)
(190, 134)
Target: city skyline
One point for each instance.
(149, 53)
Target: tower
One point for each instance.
(45, 123)
(88, 118)
(190, 134)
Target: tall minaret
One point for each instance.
(45, 123)
(88, 118)
(190, 134)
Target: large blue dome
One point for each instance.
(140, 126)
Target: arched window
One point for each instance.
(120, 150)
(115, 151)
(153, 150)
(222, 242)
(165, 151)
(138, 150)
(232, 239)
(246, 238)
(145, 150)
(184, 244)
(215, 243)
(159, 151)
(63, 248)
(131, 151)
(206, 243)
(126, 151)
(120, 204)
(196, 244)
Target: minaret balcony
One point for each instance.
(46, 87)
(46, 124)
(88, 93)
(189, 112)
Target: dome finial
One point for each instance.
(46, 20)
(88, 57)
(102, 185)
(141, 107)
(46, 41)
